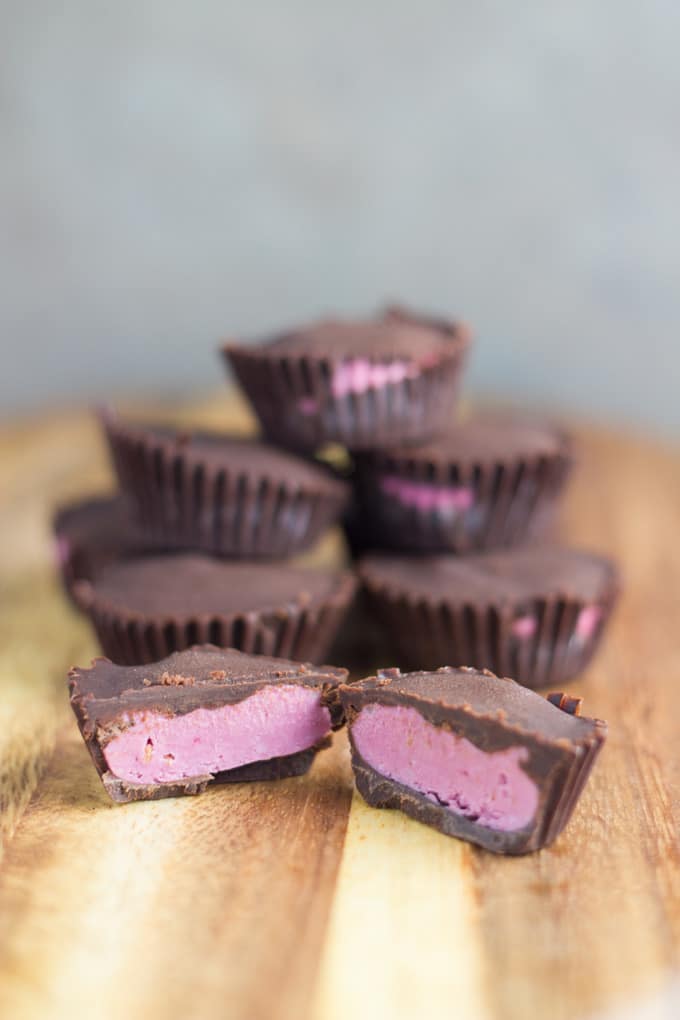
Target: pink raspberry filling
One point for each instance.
(359, 374)
(524, 627)
(587, 622)
(275, 721)
(356, 375)
(425, 496)
(488, 787)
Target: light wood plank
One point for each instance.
(196, 907)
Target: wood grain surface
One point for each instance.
(294, 899)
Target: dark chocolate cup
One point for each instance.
(301, 630)
(559, 764)
(513, 501)
(429, 633)
(292, 395)
(183, 500)
(90, 534)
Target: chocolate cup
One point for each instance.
(183, 500)
(106, 699)
(559, 765)
(301, 630)
(279, 384)
(90, 534)
(513, 501)
(429, 633)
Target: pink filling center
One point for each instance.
(358, 375)
(488, 787)
(524, 627)
(587, 622)
(424, 496)
(275, 721)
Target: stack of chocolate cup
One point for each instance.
(186, 574)
(445, 521)
(450, 513)
(195, 547)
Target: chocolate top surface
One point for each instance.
(484, 438)
(505, 576)
(99, 519)
(396, 334)
(189, 584)
(477, 693)
(240, 455)
(340, 339)
(200, 666)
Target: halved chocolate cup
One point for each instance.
(470, 754)
(200, 716)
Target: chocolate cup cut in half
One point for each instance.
(227, 495)
(92, 533)
(470, 754)
(147, 608)
(202, 715)
(489, 482)
(536, 613)
(364, 383)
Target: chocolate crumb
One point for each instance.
(565, 702)
(177, 680)
(391, 673)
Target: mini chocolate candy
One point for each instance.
(205, 714)
(149, 607)
(361, 383)
(91, 533)
(536, 613)
(222, 494)
(470, 754)
(487, 482)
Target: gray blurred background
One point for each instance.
(174, 172)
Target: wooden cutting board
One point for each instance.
(295, 900)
